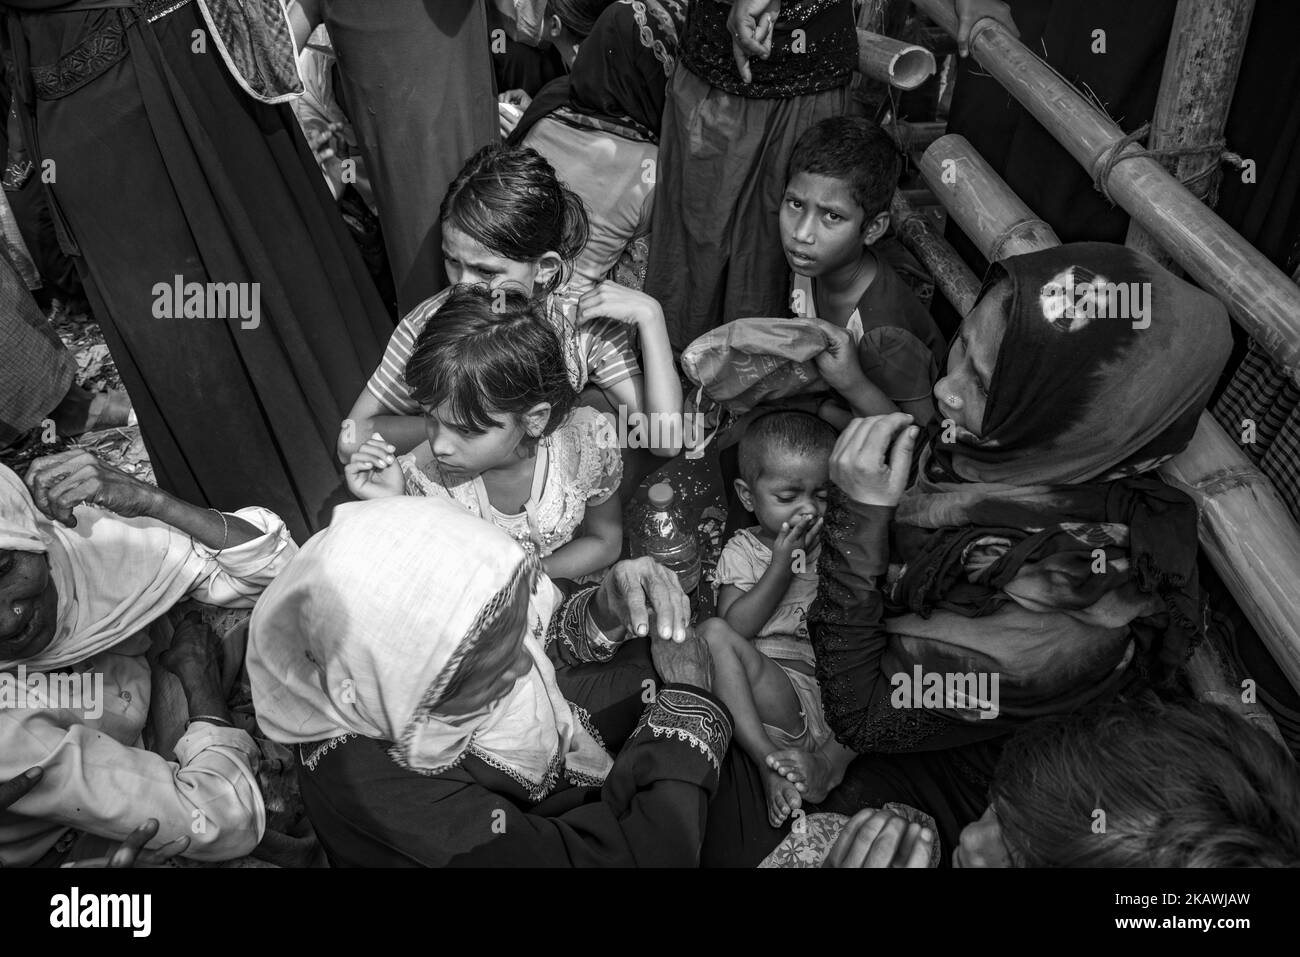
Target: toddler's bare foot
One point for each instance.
(810, 772)
(782, 798)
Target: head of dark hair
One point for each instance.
(796, 433)
(509, 199)
(577, 16)
(1180, 784)
(856, 151)
(488, 352)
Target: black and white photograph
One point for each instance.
(675, 434)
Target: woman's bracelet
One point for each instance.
(225, 529)
(210, 719)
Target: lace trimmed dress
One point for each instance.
(577, 465)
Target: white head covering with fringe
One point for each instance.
(364, 630)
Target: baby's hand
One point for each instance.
(373, 471)
(813, 534)
(609, 300)
(792, 537)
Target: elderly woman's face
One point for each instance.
(963, 393)
(28, 605)
(492, 669)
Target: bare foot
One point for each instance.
(782, 798)
(810, 772)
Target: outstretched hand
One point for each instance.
(131, 852)
(638, 593)
(59, 483)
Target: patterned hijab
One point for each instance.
(1106, 364)
(364, 630)
(1048, 551)
(620, 76)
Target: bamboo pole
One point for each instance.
(904, 66)
(952, 277)
(1206, 45)
(1260, 568)
(980, 202)
(918, 136)
(1256, 292)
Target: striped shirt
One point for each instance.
(606, 352)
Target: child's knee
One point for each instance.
(718, 635)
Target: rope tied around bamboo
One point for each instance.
(1117, 154)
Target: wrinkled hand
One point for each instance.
(373, 472)
(971, 12)
(750, 24)
(859, 466)
(131, 852)
(638, 590)
(609, 300)
(838, 362)
(881, 839)
(687, 662)
(59, 483)
(12, 790)
(324, 142)
(195, 648)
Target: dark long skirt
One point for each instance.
(417, 81)
(715, 248)
(164, 167)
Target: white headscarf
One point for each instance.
(115, 576)
(365, 628)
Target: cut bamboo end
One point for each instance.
(903, 66)
(980, 202)
(1255, 291)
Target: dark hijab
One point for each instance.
(1057, 508)
(620, 75)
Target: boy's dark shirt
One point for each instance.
(902, 349)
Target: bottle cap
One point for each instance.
(660, 495)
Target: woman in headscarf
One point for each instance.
(410, 651)
(599, 126)
(1037, 563)
(89, 560)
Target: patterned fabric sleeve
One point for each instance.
(611, 350)
(388, 384)
(600, 460)
(573, 637)
(687, 714)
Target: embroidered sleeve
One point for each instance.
(846, 622)
(574, 635)
(687, 714)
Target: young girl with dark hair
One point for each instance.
(507, 222)
(503, 437)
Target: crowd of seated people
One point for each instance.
(948, 627)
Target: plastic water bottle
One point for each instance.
(663, 533)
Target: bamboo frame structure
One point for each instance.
(953, 278)
(969, 189)
(1257, 293)
(1206, 46)
(1259, 567)
(904, 66)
